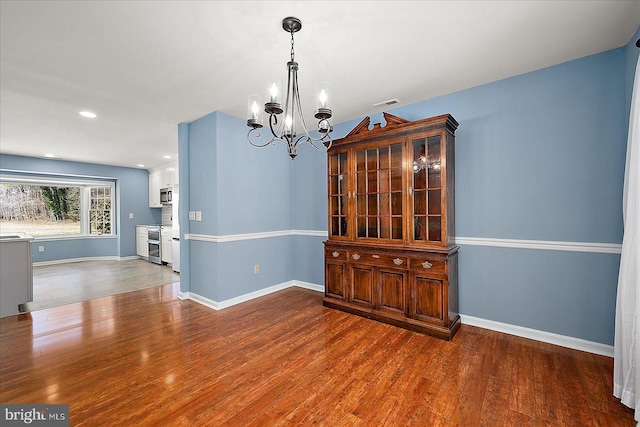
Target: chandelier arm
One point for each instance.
(273, 119)
(330, 142)
(288, 104)
(309, 138)
(280, 127)
(300, 138)
(297, 102)
(257, 135)
(326, 147)
(277, 137)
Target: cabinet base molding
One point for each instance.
(402, 322)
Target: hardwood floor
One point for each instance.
(147, 358)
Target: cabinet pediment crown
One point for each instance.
(396, 124)
(363, 126)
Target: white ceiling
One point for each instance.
(145, 66)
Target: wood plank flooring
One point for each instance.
(148, 358)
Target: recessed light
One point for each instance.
(49, 155)
(167, 157)
(140, 165)
(88, 114)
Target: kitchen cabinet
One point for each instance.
(16, 274)
(142, 247)
(390, 255)
(167, 245)
(155, 184)
(165, 176)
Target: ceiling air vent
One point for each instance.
(387, 103)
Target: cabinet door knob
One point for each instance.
(335, 254)
(397, 261)
(427, 264)
(356, 256)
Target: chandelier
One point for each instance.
(285, 130)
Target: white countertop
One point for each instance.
(15, 238)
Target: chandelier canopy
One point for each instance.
(285, 130)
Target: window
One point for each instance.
(48, 208)
(100, 210)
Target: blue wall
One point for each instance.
(539, 156)
(132, 196)
(239, 189)
(632, 54)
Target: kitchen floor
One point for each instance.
(61, 284)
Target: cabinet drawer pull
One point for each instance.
(427, 264)
(375, 256)
(335, 254)
(356, 256)
(397, 261)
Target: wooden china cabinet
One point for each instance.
(390, 255)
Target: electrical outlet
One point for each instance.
(131, 216)
(40, 248)
(256, 269)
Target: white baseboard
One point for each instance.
(247, 297)
(307, 285)
(534, 334)
(93, 258)
(548, 337)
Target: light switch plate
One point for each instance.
(192, 215)
(198, 215)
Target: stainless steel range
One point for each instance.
(155, 244)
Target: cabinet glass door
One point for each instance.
(427, 190)
(338, 196)
(379, 192)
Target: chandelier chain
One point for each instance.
(292, 53)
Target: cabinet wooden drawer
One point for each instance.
(386, 260)
(335, 254)
(428, 265)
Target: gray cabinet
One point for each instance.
(16, 274)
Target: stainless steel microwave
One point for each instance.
(165, 196)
